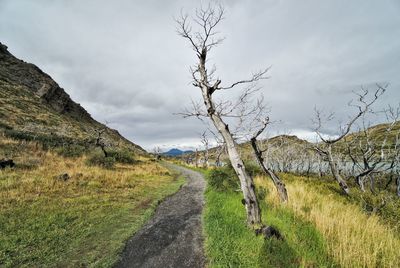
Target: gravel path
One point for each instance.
(173, 237)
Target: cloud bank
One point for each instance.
(123, 61)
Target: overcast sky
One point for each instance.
(123, 61)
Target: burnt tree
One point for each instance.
(202, 41)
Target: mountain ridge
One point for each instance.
(176, 152)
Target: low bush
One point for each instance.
(223, 179)
(71, 150)
(122, 156)
(253, 168)
(100, 160)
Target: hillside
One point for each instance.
(378, 133)
(247, 152)
(34, 107)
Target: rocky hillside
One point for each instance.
(33, 105)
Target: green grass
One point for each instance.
(82, 222)
(229, 243)
(82, 231)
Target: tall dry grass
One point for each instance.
(353, 238)
(39, 171)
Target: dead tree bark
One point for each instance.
(196, 158)
(279, 185)
(100, 141)
(398, 185)
(202, 42)
(206, 144)
(220, 151)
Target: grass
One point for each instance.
(84, 221)
(353, 238)
(229, 243)
(321, 228)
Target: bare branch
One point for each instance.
(261, 75)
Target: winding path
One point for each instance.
(173, 237)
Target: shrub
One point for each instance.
(223, 179)
(122, 156)
(253, 169)
(71, 150)
(262, 192)
(100, 160)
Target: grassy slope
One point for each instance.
(45, 222)
(321, 229)
(23, 113)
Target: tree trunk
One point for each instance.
(360, 178)
(279, 185)
(308, 168)
(196, 163)
(206, 161)
(360, 182)
(246, 182)
(398, 186)
(372, 183)
(320, 167)
(335, 172)
(389, 181)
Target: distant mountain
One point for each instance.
(34, 106)
(176, 152)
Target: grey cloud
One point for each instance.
(123, 61)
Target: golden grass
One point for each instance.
(83, 221)
(354, 239)
(27, 184)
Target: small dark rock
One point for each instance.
(269, 232)
(6, 163)
(63, 177)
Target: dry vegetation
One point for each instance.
(353, 238)
(84, 220)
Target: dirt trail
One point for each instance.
(173, 237)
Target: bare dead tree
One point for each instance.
(395, 163)
(279, 185)
(206, 145)
(370, 153)
(202, 41)
(363, 105)
(393, 152)
(196, 158)
(157, 152)
(220, 150)
(99, 141)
